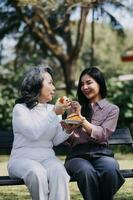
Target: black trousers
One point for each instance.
(98, 177)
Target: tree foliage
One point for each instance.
(44, 28)
(50, 34)
(46, 31)
(121, 93)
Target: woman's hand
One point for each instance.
(75, 108)
(68, 127)
(60, 109)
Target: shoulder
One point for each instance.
(110, 106)
(20, 108)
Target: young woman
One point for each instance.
(90, 160)
(36, 130)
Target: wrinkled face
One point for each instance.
(90, 88)
(48, 89)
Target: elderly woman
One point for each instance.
(36, 130)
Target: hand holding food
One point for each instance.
(72, 121)
(62, 104)
(76, 108)
(63, 100)
(74, 117)
(68, 127)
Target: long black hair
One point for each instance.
(32, 84)
(97, 75)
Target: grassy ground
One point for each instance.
(21, 192)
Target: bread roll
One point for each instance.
(62, 100)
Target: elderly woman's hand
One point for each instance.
(68, 127)
(60, 109)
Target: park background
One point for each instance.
(69, 35)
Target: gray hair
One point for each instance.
(32, 84)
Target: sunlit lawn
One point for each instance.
(21, 192)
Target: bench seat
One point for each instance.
(6, 180)
(119, 137)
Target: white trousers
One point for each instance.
(47, 180)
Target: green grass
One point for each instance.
(22, 193)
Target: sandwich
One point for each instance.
(73, 118)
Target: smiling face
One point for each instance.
(90, 88)
(47, 90)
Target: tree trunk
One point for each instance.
(69, 69)
(92, 38)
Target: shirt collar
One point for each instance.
(101, 103)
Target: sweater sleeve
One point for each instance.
(61, 136)
(26, 124)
